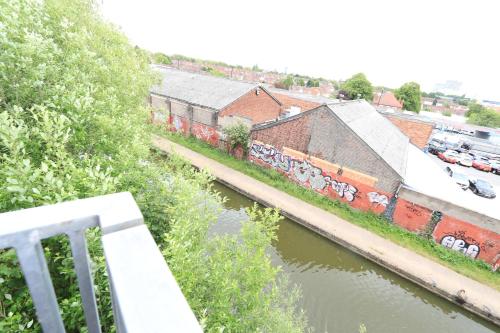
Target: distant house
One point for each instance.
(386, 100)
(294, 102)
(195, 104)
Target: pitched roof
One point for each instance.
(382, 136)
(388, 99)
(198, 89)
(302, 96)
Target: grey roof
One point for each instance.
(303, 96)
(380, 134)
(197, 89)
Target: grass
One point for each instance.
(474, 269)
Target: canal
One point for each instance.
(342, 290)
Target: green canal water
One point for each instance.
(341, 289)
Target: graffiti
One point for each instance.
(457, 244)
(177, 123)
(411, 208)
(304, 172)
(344, 190)
(271, 156)
(378, 199)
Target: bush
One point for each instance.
(237, 135)
(446, 113)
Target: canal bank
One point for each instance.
(471, 295)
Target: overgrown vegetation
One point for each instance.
(237, 136)
(73, 125)
(474, 269)
(482, 116)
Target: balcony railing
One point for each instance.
(145, 295)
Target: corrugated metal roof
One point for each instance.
(198, 89)
(374, 129)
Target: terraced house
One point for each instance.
(201, 105)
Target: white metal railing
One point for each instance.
(145, 295)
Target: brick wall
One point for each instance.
(319, 134)
(259, 108)
(293, 133)
(418, 131)
(411, 216)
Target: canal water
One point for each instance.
(342, 290)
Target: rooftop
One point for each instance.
(388, 99)
(198, 89)
(376, 131)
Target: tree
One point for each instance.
(285, 83)
(409, 93)
(160, 58)
(486, 117)
(312, 83)
(300, 82)
(474, 108)
(358, 86)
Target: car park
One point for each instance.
(481, 163)
(482, 188)
(465, 160)
(449, 156)
(436, 147)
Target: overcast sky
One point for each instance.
(392, 42)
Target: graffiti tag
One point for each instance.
(378, 199)
(457, 244)
(271, 156)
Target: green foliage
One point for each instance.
(285, 83)
(237, 135)
(487, 117)
(73, 125)
(256, 68)
(475, 269)
(312, 83)
(474, 108)
(446, 113)
(228, 279)
(358, 86)
(213, 71)
(409, 93)
(300, 82)
(160, 58)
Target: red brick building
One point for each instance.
(386, 100)
(195, 104)
(419, 131)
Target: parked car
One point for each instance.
(495, 167)
(465, 160)
(449, 156)
(482, 188)
(481, 163)
(459, 178)
(436, 147)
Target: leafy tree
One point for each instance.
(256, 68)
(486, 117)
(474, 108)
(409, 93)
(300, 82)
(285, 83)
(73, 125)
(160, 58)
(312, 83)
(358, 86)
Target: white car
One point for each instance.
(465, 160)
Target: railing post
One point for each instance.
(36, 274)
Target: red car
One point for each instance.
(481, 164)
(449, 156)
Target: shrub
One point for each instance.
(237, 135)
(446, 113)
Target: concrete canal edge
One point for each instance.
(465, 292)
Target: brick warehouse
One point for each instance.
(199, 105)
(348, 151)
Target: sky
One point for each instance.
(392, 42)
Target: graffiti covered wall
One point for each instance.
(205, 133)
(469, 239)
(321, 176)
(179, 124)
